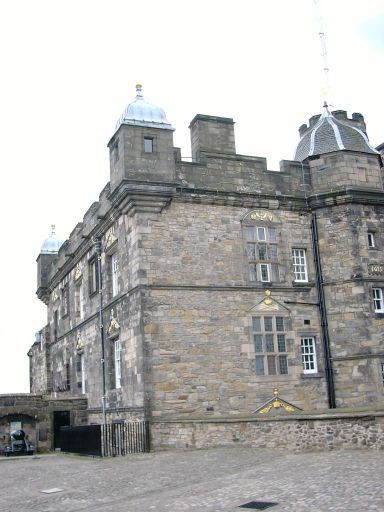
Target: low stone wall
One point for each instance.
(295, 433)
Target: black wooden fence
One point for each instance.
(107, 440)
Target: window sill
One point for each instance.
(272, 378)
(312, 375)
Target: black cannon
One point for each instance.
(18, 444)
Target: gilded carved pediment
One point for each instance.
(269, 304)
(111, 240)
(276, 405)
(78, 272)
(114, 326)
(79, 343)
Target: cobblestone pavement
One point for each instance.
(219, 479)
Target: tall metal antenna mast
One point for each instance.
(326, 87)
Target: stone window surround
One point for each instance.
(308, 354)
(65, 300)
(149, 137)
(93, 281)
(300, 266)
(371, 239)
(265, 355)
(378, 299)
(79, 299)
(260, 269)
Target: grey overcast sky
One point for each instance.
(69, 68)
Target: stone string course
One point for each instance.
(325, 432)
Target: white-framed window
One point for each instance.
(378, 303)
(300, 265)
(308, 354)
(262, 252)
(371, 239)
(115, 274)
(117, 364)
(269, 338)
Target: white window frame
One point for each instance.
(371, 239)
(117, 356)
(300, 269)
(308, 354)
(266, 266)
(115, 274)
(378, 302)
(260, 230)
(82, 373)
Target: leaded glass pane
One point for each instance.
(251, 251)
(272, 235)
(269, 342)
(281, 346)
(275, 272)
(262, 250)
(280, 323)
(259, 365)
(273, 252)
(271, 365)
(283, 365)
(256, 324)
(268, 323)
(258, 342)
(251, 234)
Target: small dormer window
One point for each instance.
(148, 145)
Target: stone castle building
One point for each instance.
(194, 289)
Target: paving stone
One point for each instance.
(211, 480)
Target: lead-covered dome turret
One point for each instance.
(142, 113)
(52, 244)
(333, 131)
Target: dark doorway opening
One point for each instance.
(60, 419)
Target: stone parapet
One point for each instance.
(327, 431)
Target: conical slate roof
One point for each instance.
(330, 133)
(142, 113)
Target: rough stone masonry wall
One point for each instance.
(202, 355)
(317, 432)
